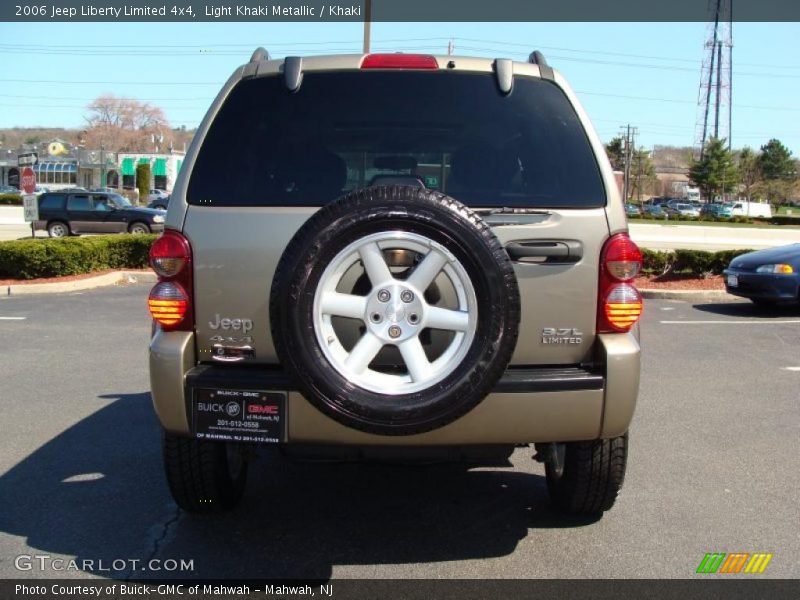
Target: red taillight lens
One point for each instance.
(170, 301)
(169, 254)
(619, 302)
(622, 258)
(399, 61)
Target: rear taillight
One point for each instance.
(170, 301)
(399, 61)
(619, 302)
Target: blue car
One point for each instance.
(766, 276)
(632, 210)
(655, 210)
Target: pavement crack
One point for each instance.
(157, 541)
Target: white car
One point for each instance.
(157, 195)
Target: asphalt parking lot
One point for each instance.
(714, 466)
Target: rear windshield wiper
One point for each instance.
(507, 210)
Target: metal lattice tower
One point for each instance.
(716, 78)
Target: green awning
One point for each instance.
(144, 161)
(161, 167)
(127, 166)
(180, 164)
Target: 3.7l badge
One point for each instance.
(561, 335)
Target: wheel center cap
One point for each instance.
(395, 313)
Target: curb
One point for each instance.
(58, 287)
(688, 295)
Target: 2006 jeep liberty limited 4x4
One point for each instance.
(394, 255)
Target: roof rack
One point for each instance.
(259, 54)
(537, 58)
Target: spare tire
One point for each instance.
(390, 378)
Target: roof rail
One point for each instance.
(537, 58)
(259, 54)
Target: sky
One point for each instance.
(643, 74)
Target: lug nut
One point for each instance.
(413, 318)
(375, 317)
(384, 296)
(406, 296)
(394, 331)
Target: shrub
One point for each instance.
(691, 262)
(12, 199)
(655, 261)
(30, 259)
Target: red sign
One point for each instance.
(28, 180)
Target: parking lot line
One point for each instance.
(720, 322)
(13, 318)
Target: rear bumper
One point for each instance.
(527, 404)
(764, 286)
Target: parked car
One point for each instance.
(655, 210)
(159, 203)
(633, 210)
(296, 306)
(766, 276)
(8, 189)
(68, 213)
(716, 210)
(157, 195)
(679, 208)
(751, 209)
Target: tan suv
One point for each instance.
(395, 256)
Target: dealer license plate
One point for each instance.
(238, 415)
(733, 280)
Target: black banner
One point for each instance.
(728, 588)
(396, 10)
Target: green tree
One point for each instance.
(778, 170)
(749, 171)
(643, 174)
(615, 149)
(715, 173)
(143, 181)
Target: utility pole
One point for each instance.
(630, 143)
(367, 24)
(450, 48)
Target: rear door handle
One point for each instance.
(549, 251)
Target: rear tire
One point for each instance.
(204, 476)
(58, 229)
(590, 477)
(139, 228)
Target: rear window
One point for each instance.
(51, 201)
(453, 132)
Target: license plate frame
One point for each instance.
(733, 280)
(240, 416)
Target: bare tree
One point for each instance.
(125, 124)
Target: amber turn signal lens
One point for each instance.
(168, 303)
(623, 307)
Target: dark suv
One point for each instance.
(65, 213)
